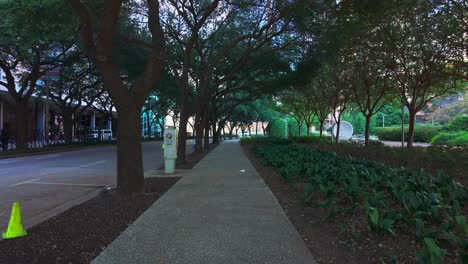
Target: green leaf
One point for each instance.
(374, 216)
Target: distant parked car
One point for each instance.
(360, 138)
(106, 134)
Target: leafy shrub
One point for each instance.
(246, 141)
(453, 138)
(452, 161)
(421, 133)
(258, 136)
(453, 134)
(461, 140)
(459, 123)
(276, 128)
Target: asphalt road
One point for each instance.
(46, 183)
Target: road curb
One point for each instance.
(61, 208)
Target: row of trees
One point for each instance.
(367, 54)
(201, 59)
(32, 46)
(218, 60)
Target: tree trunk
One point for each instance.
(220, 132)
(129, 155)
(412, 115)
(338, 123)
(230, 131)
(321, 126)
(256, 128)
(367, 130)
(182, 135)
(206, 143)
(299, 128)
(22, 119)
(68, 127)
(215, 134)
(308, 122)
(199, 127)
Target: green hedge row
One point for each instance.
(311, 139)
(265, 140)
(451, 138)
(452, 161)
(421, 133)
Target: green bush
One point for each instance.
(452, 161)
(246, 141)
(461, 140)
(451, 138)
(421, 133)
(276, 127)
(453, 134)
(459, 123)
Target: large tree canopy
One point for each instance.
(217, 64)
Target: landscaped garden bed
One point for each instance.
(357, 211)
(79, 234)
(453, 161)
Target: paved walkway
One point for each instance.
(216, 214)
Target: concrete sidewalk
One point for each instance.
(216, 214)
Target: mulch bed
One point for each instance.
(342, 239)
(79, 234)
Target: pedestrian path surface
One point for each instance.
(220, 212)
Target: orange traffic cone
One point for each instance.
(15, 226)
